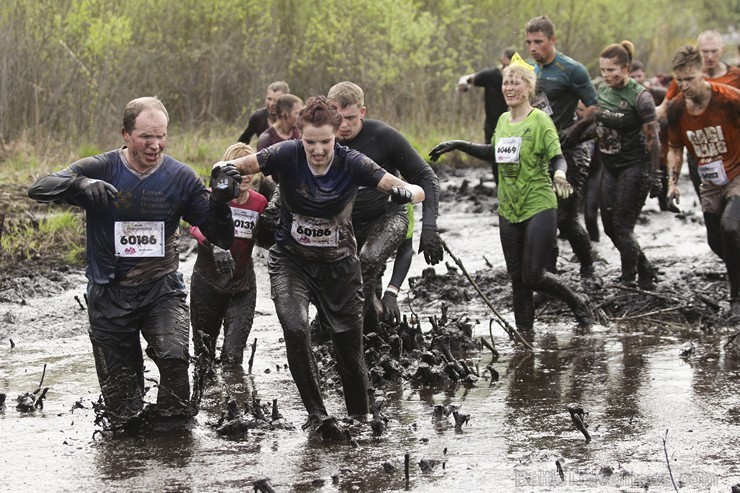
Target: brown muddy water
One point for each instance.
(643, 402)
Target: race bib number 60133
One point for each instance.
(139, 238)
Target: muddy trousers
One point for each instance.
(210, 308)
(335, 288)
(723, 236)
(623, 194)
(376, 242)
(118, 315)
(592, 192)
(568, 222)
(527, 246)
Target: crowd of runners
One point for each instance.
(329, 192)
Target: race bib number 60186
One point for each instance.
(315, 231)
(139, 238)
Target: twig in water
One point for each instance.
(488, 262)
(77, 299)
(251, 357)
(514, 335)
(42, 377)
(668, 463)
(727, 344)
(643, 315)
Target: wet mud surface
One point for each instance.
(655, 384)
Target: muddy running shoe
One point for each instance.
(332, 431)
(647, 282)
(591, 283)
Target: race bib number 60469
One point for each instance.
(139, 238)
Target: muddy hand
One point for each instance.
(443, 148)
(401, 195)
(225, 181)
(431, 244)
(672, 195)
(562, 188)
(391, 312)
(98, 192)
(224, 261)
(656, 184)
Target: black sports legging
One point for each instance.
(527, 247)
(623, 193)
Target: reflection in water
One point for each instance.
(126, 457)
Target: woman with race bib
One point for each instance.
(524, 146)
(223, 287)
(315, 258)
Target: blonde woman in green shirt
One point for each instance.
(525, 147)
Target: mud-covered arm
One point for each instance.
(480, 151)
(582, 130)
(646, 110)
(218, 228)
(81, 183)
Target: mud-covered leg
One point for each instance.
(350, 356)
(512, 243)
(207, 307)
(730, 227)
(238, 323)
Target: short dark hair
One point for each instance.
(318, 112)
(541, 24)
(137, 106)
(637, 65)
(687, 56)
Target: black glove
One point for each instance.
(224, 261)
(225, 181)
(445, 147)
(655, 179)
(98, 192)
(391, 312)
(401, 195)
(566, 139)
(431, 244)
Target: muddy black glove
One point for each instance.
(431, 244)
(401, 195)
(563, 189)
(225, 180)
(98, 192)
(391, 312)
(224, 261)
(655, 179)
(445, 147)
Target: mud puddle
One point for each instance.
(630, 378)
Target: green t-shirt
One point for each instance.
(523, 153)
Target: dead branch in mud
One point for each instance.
(514, 335)
(668, 462)
(577, 415)
(649, 314)
(731, 339)
(251, 357)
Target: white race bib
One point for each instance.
(507, 149)
(713, 173)
(541, 102)
(139, 238)
(315, 231)
(245, 221)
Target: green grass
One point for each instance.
(57, 237)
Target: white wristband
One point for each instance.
(559, 173)
(392, 289)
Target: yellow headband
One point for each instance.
(516, 60)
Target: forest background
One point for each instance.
(68, 67)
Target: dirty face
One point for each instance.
(639, 76)
(270, 100)
(690, 79)
(146, 143)
(246, 183)
(318, 143)
(517, 90)
(711, 50)
(540, 47)
(351, 124)
(614, 75)
(291, 119)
